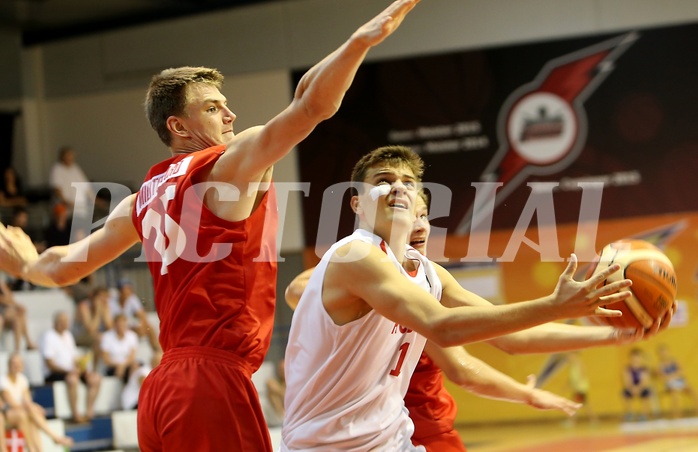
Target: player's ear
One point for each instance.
(175, 125)
(356, 205)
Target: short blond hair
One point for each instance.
(392, 155)
(167, 94)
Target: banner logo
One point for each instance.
(542, 125)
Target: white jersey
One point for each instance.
(345, 384)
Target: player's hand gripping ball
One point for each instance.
(654, 282)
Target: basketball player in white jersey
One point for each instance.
(353, 343)
(432, 408)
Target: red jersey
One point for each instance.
(432, 409)
(214, 280)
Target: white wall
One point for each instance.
(88, 91)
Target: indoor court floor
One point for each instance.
(679, 435)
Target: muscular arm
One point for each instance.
(295, 289)
(545, 338)
(64, 265)
(317, 97)
(560, 337)
(386, 290)
(479, 378)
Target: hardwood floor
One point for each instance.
(679, 435)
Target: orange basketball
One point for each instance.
(654, 282)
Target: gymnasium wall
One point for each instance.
(78, 91)
(88, 91)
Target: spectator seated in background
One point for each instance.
(14, 317)
(20, 219)
(92, 319)
(127, 302)
(82, 289)
(64, 364)
(118, 349)
(64, 173)
(25, 414)
(57, 233)
(11, 192)
(129, 396)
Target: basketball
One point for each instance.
(654, 282)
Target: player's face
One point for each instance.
(421, 228)
(395, 205)
(207, 118)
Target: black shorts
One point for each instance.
(645, 393)
(111, 371)
(60, 376)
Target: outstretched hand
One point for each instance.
(544, 400)
(16, 250)
(581, 299)
(385, 23)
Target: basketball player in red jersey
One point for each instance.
(207, 220)
(433, 409)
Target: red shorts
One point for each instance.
(200, 399)
(442, 442)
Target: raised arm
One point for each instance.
(64, 265)
(317, 97)
(477, 377)
(386, 290)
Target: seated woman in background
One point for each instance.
(11, 193)
(57, 233)
(14, 316)
(21, 411)
(92, 319)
